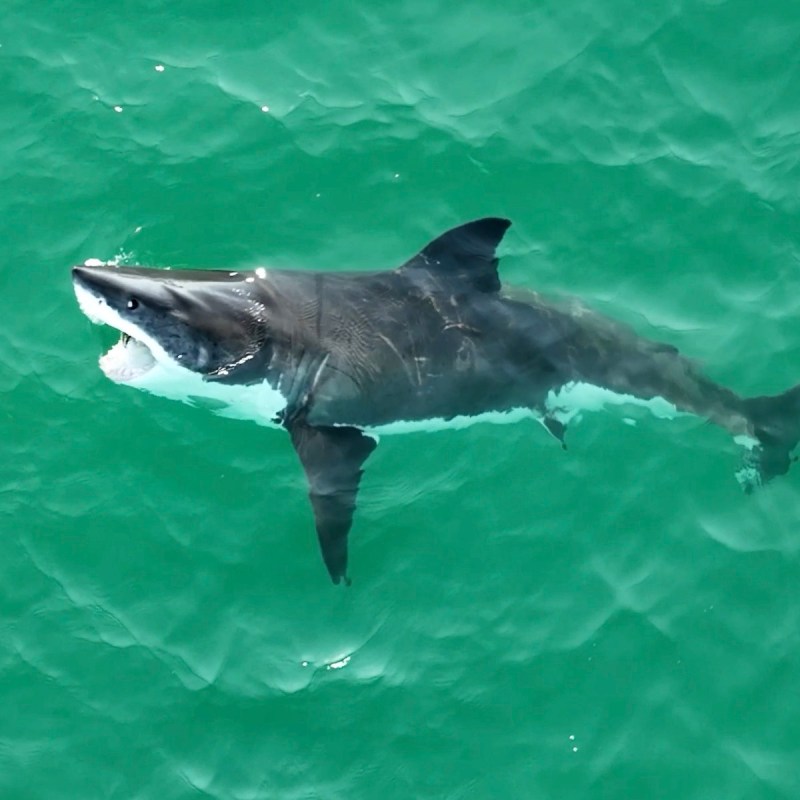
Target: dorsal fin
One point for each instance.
(466, 252)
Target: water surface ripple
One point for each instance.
(616, 621)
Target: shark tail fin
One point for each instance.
(776, 425)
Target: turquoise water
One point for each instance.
(617, 621)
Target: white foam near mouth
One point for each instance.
(127, 361)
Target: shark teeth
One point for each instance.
(127, 360)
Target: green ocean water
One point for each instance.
(617, 621)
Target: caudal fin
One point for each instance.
(776, 425)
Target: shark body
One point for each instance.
(336, 359)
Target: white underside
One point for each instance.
(442, 424)
(261, 403)
(574, 398)
(565, 405)
(258, 403)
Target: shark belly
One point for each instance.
(565, 404)
(572, 399)
(259, 402)
(459, 422)
(262, 404)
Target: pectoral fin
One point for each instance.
(556, 429)
(332, 459)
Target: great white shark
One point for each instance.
(338, 358)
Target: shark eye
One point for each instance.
(133, 304)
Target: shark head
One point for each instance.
(194, 323)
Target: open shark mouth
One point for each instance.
(127, 360)
(130, 358)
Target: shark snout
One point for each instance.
(95, 281)
(80, 275)
(94, 277)
(91, 301)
